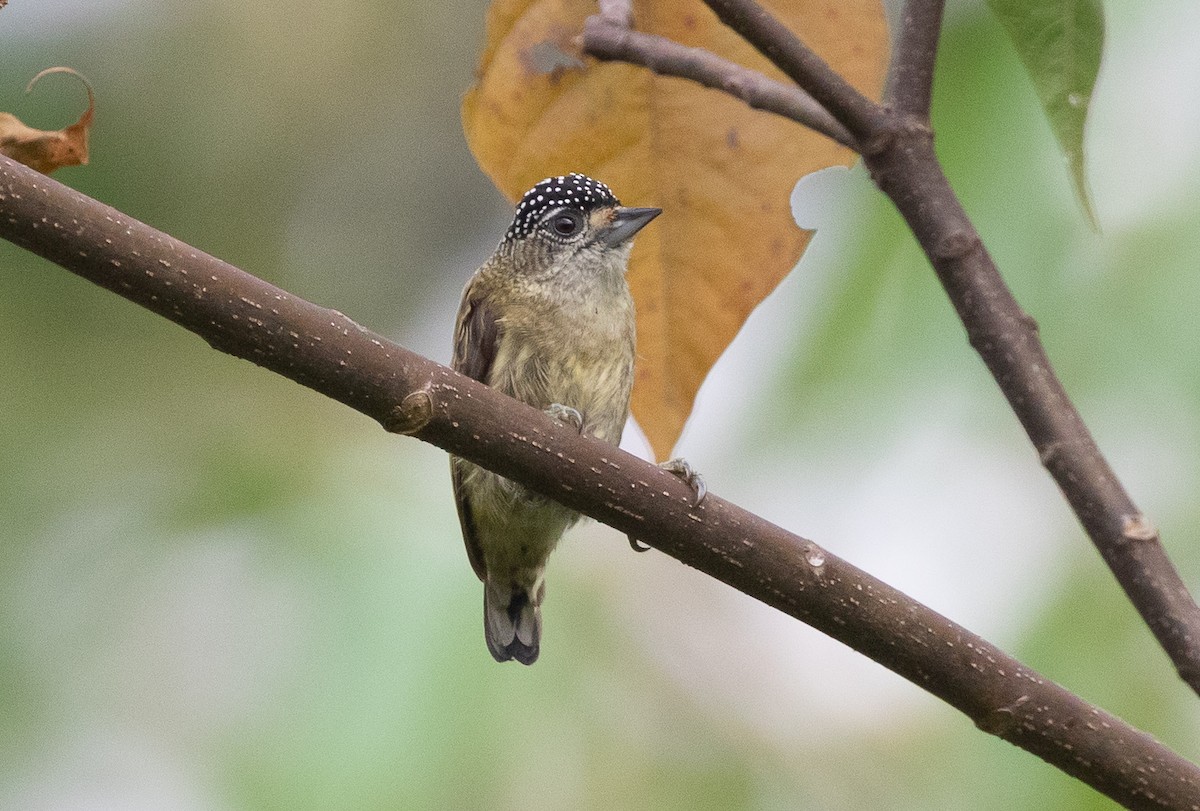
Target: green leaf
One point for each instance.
(1060, 42)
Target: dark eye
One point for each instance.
(566, 223)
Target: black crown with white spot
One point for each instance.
(573, 191)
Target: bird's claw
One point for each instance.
(566, 414)
(680, 467)
(677, 467)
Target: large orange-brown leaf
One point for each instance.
(722, 172)
(45, 150)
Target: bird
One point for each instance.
(549, 320)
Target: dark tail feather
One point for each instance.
(512, 623)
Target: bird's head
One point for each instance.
(573, 223)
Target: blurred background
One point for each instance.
(219, 590)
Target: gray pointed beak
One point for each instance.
(625, 223)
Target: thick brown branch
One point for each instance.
(910, 80)
(604, 40)
(326, 351)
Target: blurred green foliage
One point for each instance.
(218, 590)
(1061, 43)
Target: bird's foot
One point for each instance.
(566, 414)
(680, 467)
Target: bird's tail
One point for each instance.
(512, 621)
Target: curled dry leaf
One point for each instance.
(47, 150)
(722, 173)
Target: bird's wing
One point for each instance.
(466, 517)
(476, 335)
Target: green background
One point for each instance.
(219, 590)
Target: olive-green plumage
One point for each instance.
(548, 319)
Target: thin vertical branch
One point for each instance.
(910, 78)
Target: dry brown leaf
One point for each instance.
(47, 150)
(722, 172)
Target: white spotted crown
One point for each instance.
(572, 191)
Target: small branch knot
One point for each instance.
(899, 129)
(1029, 322)
(956, 245)
(1051, 453)
(1002, 720)
(617, 12)
(413, 413)
(878, 143)
(1138, 527)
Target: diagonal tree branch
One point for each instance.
(326, 351)
(897, 148)
(1007, 340)
(910, 79)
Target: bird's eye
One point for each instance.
(566, 224)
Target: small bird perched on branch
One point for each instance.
(548, 319)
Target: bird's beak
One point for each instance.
(625, 223)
